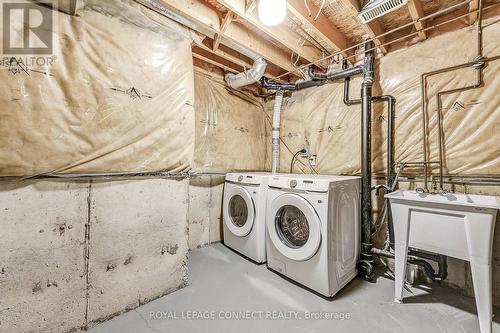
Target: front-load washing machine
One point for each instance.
(313, 229)
(244, 209)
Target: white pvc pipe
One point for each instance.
(276, 130)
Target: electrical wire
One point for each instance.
(311, 166)
(320, 9)
(302, 151)
(308, 9)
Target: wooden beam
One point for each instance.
(416, 13)
(250, 5)
(226, 21)
(322, 29)
(282, 34)
(473, 6)
(372, 28)
(206, 56)
(228, 54)
(215, 63)
(272, 71)
(200, 17)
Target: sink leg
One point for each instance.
(480, 243)
(401, 234)
(481, 278)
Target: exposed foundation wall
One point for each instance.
(205, 210)
(118, 98)
(74, 253)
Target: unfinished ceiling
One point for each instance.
(309, 34)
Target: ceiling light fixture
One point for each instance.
(272, 12)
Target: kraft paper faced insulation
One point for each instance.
(319, 117)
(230, 127)
(119, 97)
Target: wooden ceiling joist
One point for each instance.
(250, 5)
(223, 52)
(321, 28)
(200, 17)
(226, 21)
(236, 58)
(289, 38)
(416, 13)
(473, 6)
(372, 28)
(215, 60)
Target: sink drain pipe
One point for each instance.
(366, 257)
(417, 257)
(391, 109)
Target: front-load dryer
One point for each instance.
(313, 229)
(244, 209)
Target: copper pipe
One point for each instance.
(479, 82)
(478, 64)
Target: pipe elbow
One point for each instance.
(248, 77)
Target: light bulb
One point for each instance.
(272, 12)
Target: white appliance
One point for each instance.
(313, 229)
(244, 209)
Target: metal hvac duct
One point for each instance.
(247, 77)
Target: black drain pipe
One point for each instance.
(417, 257)
(345, 73)
(291, 86)
(366, 259)
(391, 105)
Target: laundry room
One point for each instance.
(249, 165)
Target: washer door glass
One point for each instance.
(238, 211)
(292, 226)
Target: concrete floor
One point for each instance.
(221, 282)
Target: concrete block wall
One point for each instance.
(205, 210)
(75, 253)
(138, 243)
(42, 256)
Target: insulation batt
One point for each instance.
(119, 97)
(471, 118)
(230, 127)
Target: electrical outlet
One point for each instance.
(313, 159)
(307, 149)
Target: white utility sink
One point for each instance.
(452, 224)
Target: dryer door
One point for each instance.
(294, 227)
(239, 210)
